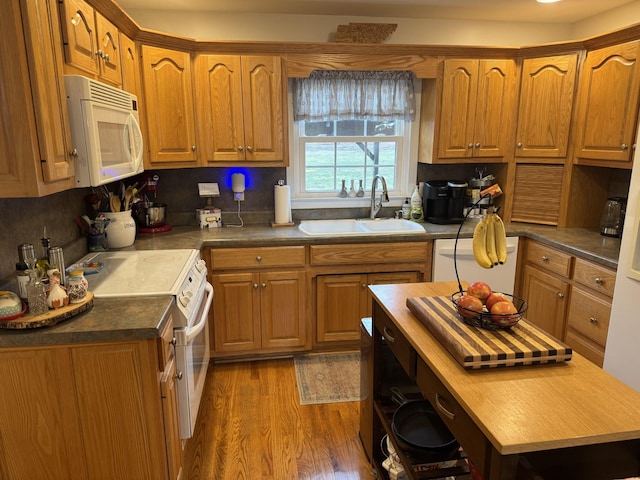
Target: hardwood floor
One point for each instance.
(251, 426)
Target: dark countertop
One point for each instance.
(134, 318)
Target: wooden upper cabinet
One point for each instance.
(608, 94)
(240, 109)
(91, 41)
(477, 109)
(35, 141)
(168, 103)
(130, 62)
(546, 103)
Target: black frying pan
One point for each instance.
(418, 429)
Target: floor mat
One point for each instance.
(328, 377)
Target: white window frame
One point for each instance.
(406, 169)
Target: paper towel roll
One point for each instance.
(282, 195)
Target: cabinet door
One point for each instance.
(282, 301)
(457, 108)
(130, 63)
(546, 296)
(108, 50)
(608, 104)
(43, 41)
(40, 429)
(168, 95)
(126, 440)
(495, 108)
(220, 116)
(386, 279)
(341, 304)
(262, 95)
(236, 312)
(543, 125)
(169, 392)
(80, 36)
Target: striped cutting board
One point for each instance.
(474, 348)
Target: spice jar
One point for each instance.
(77, 286)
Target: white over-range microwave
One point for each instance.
(105, 130)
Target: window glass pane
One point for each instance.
(319, 154)
(381, 128)
(350, 128)
(349, 153)
(317, 129)
(320, 180)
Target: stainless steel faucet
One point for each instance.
(384, 196)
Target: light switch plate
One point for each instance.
(208, 189)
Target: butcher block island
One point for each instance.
(563, 420)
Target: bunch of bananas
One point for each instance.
(490, 241)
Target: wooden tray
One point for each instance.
(473, 348)
(52, 317)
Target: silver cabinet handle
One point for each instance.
(387, 335)
(519, 145)
(99, 54)
(470, 145)
(624, 146)
(560, 295)
(240, 148)
(179, 375)
(447, 413)
(593, 320)
(545, 258)
(264, 285)
(193, 148)
(249, 149)
(599, 281)
(173, 341)
(106, 57)
(74, 153)
(255, 285)
(478, 145)
(258, 259)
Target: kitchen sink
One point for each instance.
(379, 226)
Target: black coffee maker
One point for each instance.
(443, 201)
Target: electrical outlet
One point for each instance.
(208, 189)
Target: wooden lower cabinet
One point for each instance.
(82, 412)
(546, 296)
(259, 311)
(343, 300)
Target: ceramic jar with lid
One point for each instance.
(77, 286)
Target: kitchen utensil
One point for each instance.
(149, 214)
(114, 203)
(420, 430)
(128, 193)
(612, 217)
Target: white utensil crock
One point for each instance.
(121, 230)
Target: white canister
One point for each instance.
(121, 230)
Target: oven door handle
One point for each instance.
(194, 331)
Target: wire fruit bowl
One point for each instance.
(488, 320)
(484, 319)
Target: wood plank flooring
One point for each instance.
(251, 426)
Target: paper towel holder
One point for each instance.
(289, 223)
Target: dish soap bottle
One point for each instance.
(406, 209)
(416, 215)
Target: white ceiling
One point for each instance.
(565, 11)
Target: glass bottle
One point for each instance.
(343, 192)
(360, 191)
(352, 190)
(36, 294)
(77, 286)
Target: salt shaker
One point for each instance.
(77, 286)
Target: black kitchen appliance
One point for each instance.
(443, 201)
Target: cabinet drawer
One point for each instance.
(549, 258)
(359, 254)
(592, 352)
(401, 348)
(596, 277)
(589, 315)
(229, 258)
(461, 425)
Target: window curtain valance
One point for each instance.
(343, 95)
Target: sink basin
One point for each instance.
(388, 226)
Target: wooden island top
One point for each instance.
(522, 409)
